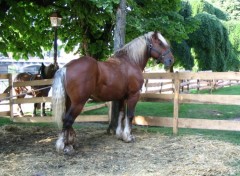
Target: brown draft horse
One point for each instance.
(120, 78)
(45, 72)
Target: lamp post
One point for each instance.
(56, 20)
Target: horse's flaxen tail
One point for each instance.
(59, 96)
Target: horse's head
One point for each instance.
(47, 72)
(159, 49)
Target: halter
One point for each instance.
(150, 48)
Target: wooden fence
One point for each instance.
(7, 77)
(176, 97)
(167, 85)
(12, 101)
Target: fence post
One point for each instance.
(198, 85)
(10, 83)
(176, 102)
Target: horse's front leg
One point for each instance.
(119, 130)
(131, 104)
(20, 111)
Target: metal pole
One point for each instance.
(55, 45)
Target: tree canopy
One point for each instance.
(230, 7)
(87, 24)
(212, 48)
(204, 32)
(214, 44)
(25, 26)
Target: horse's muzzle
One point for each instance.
(168, 62)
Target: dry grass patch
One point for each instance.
(30, 151)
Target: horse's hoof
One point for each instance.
(119, 137)
(119, 133)
(68, 150)
(128, 138)
(133, 138)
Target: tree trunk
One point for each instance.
(119, 41)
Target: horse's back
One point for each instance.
(27, 77)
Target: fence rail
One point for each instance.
(177, 97)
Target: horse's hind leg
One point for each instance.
(66, 139)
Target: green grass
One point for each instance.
(5, 121)
(233, 90)
(202, 111)
(165, 109)
(8, 121)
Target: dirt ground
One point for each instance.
(30, 151)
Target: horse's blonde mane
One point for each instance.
(136, 49)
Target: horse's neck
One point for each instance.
(41, 72)
(141, 64)
(43, 75)
(144, 63)
(34, 77)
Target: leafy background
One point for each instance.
(204, 34)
